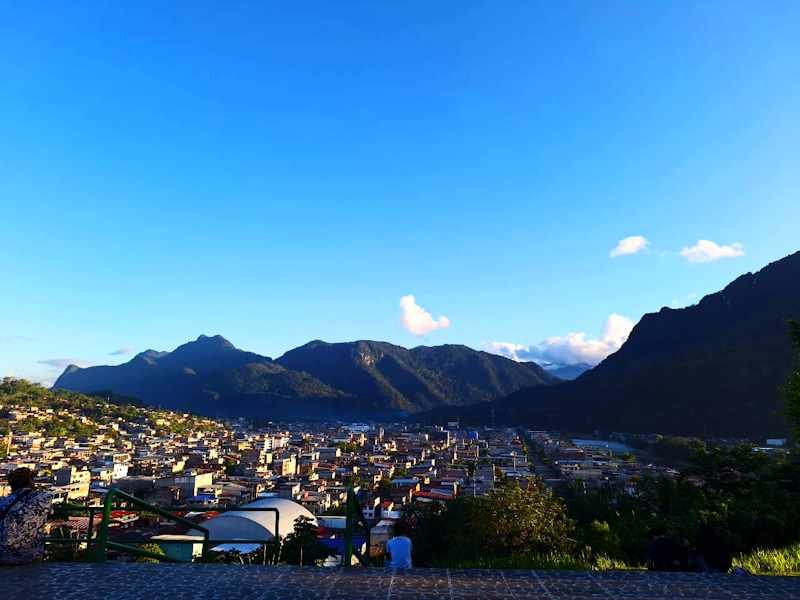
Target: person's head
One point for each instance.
(20, 478)
(399, 528)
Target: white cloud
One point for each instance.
(63, 363)
(575, 347)
(707, 251)
(517, 352)
(122, 351)
(629, 245)
(418, 320)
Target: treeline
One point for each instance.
(96, 407)
(23, 393)
(745, 500)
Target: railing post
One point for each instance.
(89, 532)
(102, 531)
(278, 543)
(206, 548)
(348, 529)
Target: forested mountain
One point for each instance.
(416, 379)
(318, 380)
(715, 368)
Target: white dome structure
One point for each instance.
(257, 525)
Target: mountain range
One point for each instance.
(362, 379)
(716, 368)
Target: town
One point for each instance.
(196, 467)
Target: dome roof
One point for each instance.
(257, 525)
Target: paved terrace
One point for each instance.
(117, 581)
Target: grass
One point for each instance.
(763, 561)
(555, 561)
(550, 560)
(607, 563)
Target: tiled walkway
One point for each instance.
(118, 581)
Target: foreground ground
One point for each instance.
(118, 581)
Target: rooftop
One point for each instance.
(65, 581)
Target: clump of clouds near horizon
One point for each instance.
(630, 245)
(417, 320)
(705, 251)
(574, 347)
(124, 351)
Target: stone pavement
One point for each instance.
(118, 581)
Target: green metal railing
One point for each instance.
(103, 543)
(99, 545)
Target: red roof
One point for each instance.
(118, 514)
(432, 495)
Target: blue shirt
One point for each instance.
(400, 550)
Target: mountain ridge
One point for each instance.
(319, 379)
(713, 368)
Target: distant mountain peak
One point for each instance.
(213, 340)
(567, 371)
(150, 354)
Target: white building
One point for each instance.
(257, 525)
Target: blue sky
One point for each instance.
(278, 173)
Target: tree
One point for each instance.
(793, 383)
(301, 547)
(511, 520)
(749, 499)
(526, 519)
(471, 468)
(384, 489)
(152, 548)
(498, 473)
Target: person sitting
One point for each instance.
(667, 552)
(714, 548)
(399, 548)
(22, 518)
